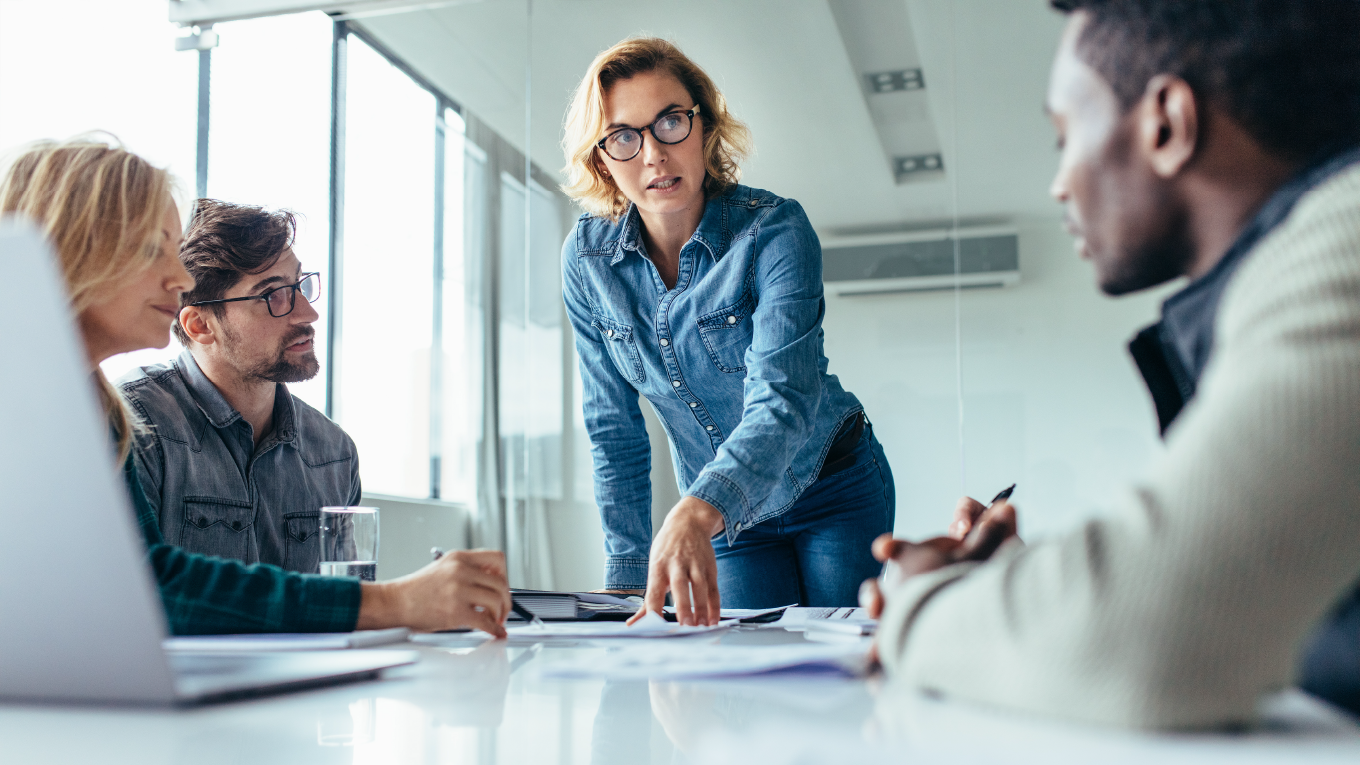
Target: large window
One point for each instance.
(141, 91)
(459, 383)
(442, 341)
(382, 396)
(270, 119)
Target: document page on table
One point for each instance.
(648, 627)
(796, 619)
(693, 660)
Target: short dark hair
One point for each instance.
(226, 242)
(1288, 71)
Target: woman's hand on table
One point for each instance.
(682, 562)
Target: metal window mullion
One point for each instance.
(437, 309)
(339, 69)
(204, 108)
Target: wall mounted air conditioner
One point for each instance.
(921, 261)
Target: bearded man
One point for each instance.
(233, 464)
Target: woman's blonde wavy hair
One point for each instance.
(100, 207)
(726, 139)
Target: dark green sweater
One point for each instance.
(204, 595)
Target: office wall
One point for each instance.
(1051, 401)
(408, 528)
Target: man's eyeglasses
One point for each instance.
(670, 128)
(281, 300)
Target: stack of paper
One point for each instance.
(572, 605)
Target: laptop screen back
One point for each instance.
(80, 616)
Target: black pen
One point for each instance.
(1003, 494)
(521, 611)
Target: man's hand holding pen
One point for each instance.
(976, 533)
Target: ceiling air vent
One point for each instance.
(921, 261)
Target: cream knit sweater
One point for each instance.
(1193, 597)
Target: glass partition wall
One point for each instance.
(420, 149)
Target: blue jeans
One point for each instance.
(817, 552)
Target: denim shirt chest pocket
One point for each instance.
(303, 547)
(727, 333)
(221, 525)
(618, 338)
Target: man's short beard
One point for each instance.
(1151, 265)
(1164, 255)
(280, 369)
(284, 371)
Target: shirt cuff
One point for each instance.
(724, 494)
(625, 574)
(332, 605)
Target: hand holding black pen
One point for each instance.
(968, 511)
(977, 532)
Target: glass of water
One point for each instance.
(349, 542)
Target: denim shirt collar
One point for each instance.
(222, 414)
(711, 233)
(1185, 334)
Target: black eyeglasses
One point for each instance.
(281, 300)
(670, 128)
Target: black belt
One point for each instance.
(841, 455)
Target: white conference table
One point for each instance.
(469, 701)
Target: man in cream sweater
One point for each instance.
(1217, 140)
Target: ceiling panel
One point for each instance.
(785, 70)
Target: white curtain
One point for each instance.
(531, 376)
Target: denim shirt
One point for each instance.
(731, 359)
(207, 595)
(214, 491)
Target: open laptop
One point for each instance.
(80, 616)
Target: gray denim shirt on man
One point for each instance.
(214, 492)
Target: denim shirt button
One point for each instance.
(693, 404)
(609, 333)
(675, 383)
(236, 525)
(710, 427)
(754, 202)
(665, 342)
(738, 526)
(731, 320)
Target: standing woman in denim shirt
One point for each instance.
(705, 296)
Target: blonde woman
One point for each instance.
(705, 296)
(116, 230)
